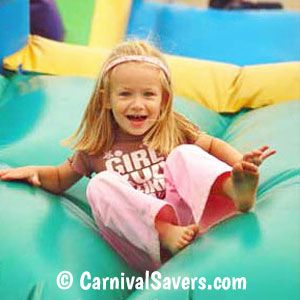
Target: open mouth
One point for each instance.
(136, 117)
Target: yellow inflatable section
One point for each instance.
(109, 22)
(50, 57)
(219, 86)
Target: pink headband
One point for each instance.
(140, 58)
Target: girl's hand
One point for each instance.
(29, 174)
(258, 156)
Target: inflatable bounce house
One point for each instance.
(236, 75)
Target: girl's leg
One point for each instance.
(190, 173)
(130, 220)
(129, 213)
(194, 177)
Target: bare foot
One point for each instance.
(244, 181)
(174, 237)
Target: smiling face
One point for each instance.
(135, 96)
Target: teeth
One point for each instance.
(136, 117)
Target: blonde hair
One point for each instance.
(95, 133)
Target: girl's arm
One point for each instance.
(220, 149)
(54, 179)
(223, 151)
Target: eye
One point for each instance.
(149, 94)
(124, 94)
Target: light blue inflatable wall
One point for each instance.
(14, 26)
(239, 37)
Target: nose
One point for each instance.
(137, 103)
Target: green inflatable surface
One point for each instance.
(43, 234)
(77, 18)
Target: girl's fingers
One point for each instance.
(248, 172)
(238, 168)
(4, 171)
(5, 176)
(268, 154)
(257, 152)
(249, 156)
(263, 148)
(20, 174)
(26, 174)
(252, 154)
(253, 157)
(15, 175)
(248, 166)
(258, 156)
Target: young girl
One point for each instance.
(155, 170)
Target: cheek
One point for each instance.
(118, 107)
(156, 111)
(115, 110)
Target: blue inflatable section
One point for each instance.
(14, 26)
(239, 37)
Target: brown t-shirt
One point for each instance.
(142, 167)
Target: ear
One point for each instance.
(105, 98)
(107, 103)
(165, 98)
